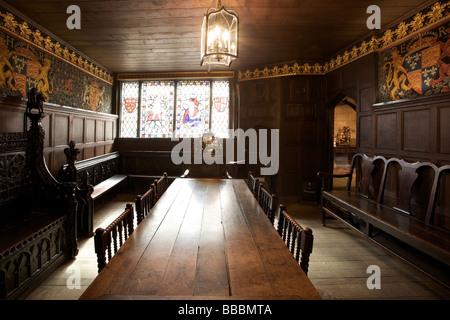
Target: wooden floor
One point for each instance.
(338, 266)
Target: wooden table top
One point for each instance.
(204, 239)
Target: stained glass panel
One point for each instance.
(193, 102)
(129, 106)
(182, 109)
(157, 101)
(220, 108)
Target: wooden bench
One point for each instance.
(298, 240)
(97, 179)
(37, 214)
(407, 201)
(108, 240)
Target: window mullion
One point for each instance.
(175, 109)
(139, 116)
(210, 104)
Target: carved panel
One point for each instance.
(297, 111)
(365, 132)
(416, 130)
(13, 141)
(100, 131)
(109, 130)
(365, 99)
(78, 130)
(90, 131)
(387, 131)
(444, 130)
(14, 175)
(20, 264)
(62, 130)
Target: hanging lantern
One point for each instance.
(219, 36)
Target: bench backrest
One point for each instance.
(15, 185)
(438, 213)
(298, 240)
(144, 203)
(108, 240)
(407, 187)
(368, 172)
(268, 203)
(90, 171)
(418, 189)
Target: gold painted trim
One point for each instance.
(175, 75)
(433, 15)
(33, 36)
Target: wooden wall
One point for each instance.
(93, 133)
(294, 105)
(415, 129)
(302, 107)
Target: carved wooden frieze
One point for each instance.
(13, 141)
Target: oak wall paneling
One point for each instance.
(61, 125)
(294, 106)
(421, 129)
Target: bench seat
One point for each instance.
(26, 229)
(108, 185)
(429, 239)
(400, 205)
(95, 178)
(37, 214)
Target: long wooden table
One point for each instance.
(204, 239)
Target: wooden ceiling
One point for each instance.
(164, 35)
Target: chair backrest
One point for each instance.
(268, 203)
(253, 184)
(161, 186)
(144, 203)
(108, 240)
(298, 240)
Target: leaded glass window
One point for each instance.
(182, 109)
(220, 109)
(130, 96)
(157, 101)
(192, 108)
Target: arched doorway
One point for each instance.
(343, 136)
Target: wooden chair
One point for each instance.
(253, 184)
(268, 203)
(298, 240)
(161, 186)
(144, 203)
(108, 240)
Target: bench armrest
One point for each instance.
(323, 175)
